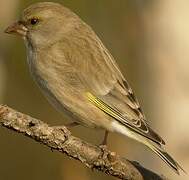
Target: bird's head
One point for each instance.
(44, 23)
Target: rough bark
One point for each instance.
(61, 139)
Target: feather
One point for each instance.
(153, 147)
(141, 128)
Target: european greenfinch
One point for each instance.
(80, 77)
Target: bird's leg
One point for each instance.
(104, 142)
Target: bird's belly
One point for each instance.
(67, 98)
(73, 105)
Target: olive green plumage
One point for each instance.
(80, 77)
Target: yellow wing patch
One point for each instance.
(117, 115)
(101, 105)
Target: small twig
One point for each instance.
(60, 139)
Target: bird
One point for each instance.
(80, 77)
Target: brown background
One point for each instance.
(150, 40)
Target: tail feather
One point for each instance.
(166, 157)
(150, 144)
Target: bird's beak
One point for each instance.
(17, 28)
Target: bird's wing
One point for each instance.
(105, 85)
(108, 90)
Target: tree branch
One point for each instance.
(60, 139)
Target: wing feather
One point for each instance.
(137, 126)
(109, 91)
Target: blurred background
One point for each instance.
(150, 41)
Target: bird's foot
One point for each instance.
(71, 125)
(68, 126)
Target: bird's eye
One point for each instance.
(34, 21)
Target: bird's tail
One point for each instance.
(154, 147)
(165, 157)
